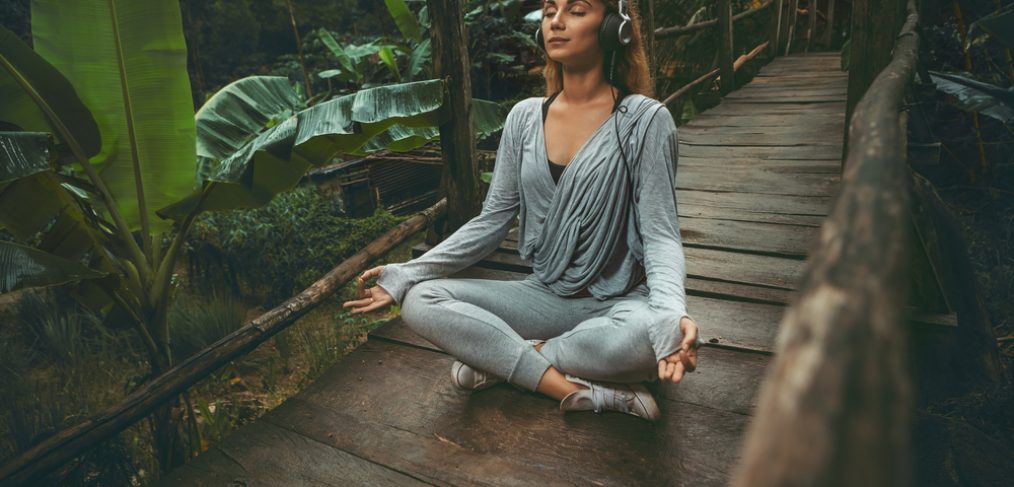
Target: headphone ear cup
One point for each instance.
(539, 40)
(609, 31)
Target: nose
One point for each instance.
(556, 21)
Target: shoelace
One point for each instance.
(619, 400)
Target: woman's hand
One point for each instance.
(684, 361)
(370, 299)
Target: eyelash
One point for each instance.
(579, 14)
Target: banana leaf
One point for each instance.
(23, 154)
(400, 117)
(976, 96)
(405, 19)
(236, 113)
(999, 24)
(127, 60)
(24, 267)
(26, 73)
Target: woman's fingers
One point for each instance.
(661, 369)
(678, 371)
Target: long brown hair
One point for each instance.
(631, 70)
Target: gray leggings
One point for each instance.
(484, 323)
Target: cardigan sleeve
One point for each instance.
(658, 222)
(479, 236)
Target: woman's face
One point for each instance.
(570, 29)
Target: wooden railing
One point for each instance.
(834, 408)
(726, 66)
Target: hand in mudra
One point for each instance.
(370, 299)
(683, 361)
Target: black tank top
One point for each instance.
(557, 169)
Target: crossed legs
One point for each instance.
(484, 323)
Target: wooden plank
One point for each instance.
(690, 445)
(697, 211)
(761, 121)
(755, 180)
(804, 152)
(761, 203)
(759, 140)
(692, 129)
(261, 453)
(788, 166)
(427, 456)
(774, 238)
(762, 270)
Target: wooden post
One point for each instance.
(811, 7)
(460, 179)
(874, 28)
(791, 17)
(646, 8)
(776, 31)
(829, 32)
(726, 53)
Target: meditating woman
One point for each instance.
(591, 170)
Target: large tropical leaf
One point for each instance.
(237, 113)
(421, 54)
(395, 117)
(405, 19)
(23, 154)
(23, 267)
(976, 96)
(26, 80)
(127, 60)
(999, 24)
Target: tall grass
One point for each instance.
(198, 321)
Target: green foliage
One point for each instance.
(198, 321)
(278, 250)
(61, 329)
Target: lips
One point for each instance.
(557, 39)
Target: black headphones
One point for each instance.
(615, 32)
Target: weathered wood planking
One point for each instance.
(804, 152)
(265, 454)
(503, 436)
(755, 180)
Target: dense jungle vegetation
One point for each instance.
(228, 254)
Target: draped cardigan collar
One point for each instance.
(570, 230)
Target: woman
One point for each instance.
(604, 309)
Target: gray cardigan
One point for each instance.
(576, 234)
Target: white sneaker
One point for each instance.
(632, 399)
(469, 378)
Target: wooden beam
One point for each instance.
(69, 443)
(725, 49)
(460, 179)
(704, 77)
(679, 30)
(835, 408)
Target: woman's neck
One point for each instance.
(582, 86)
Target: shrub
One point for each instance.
(278, 250)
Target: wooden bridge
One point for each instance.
(797, 277)
(755, 180)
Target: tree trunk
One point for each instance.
(460, 179)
